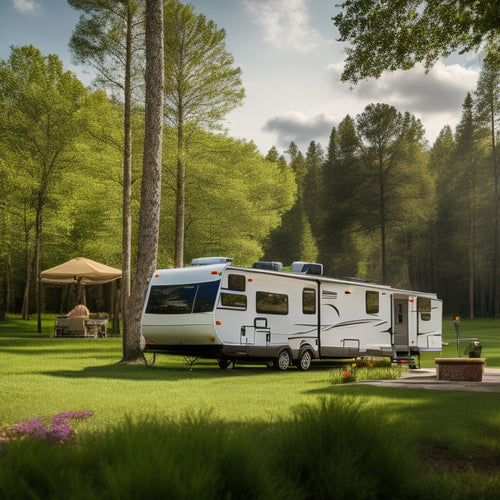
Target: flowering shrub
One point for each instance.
(366, 371)
(57, 431)
(373, 362)
(344, 376)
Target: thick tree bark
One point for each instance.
(149, 214)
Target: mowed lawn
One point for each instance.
(43, 376)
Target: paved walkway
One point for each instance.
(425, 378)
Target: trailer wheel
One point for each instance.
(304, 361)
(283, 360)
(223, 363)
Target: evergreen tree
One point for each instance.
(272, 154)
(294, 239)
(388, 143)
(342, 180)
(470, 193)
(443, 257)
(313, 187)
(487, 107)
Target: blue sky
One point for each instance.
(291, 64)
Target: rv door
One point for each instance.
(404, 323)
(430, 313)
(400, 324)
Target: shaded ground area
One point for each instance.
(437, 458)
(425, 378)
(445, 460)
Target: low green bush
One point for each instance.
(339, 451)
(153, 458)
(336, 450)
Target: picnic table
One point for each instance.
(81, 326)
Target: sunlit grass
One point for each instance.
(43, 376)
(250, 410)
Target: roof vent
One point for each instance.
(269, 266)
(207, 261)
(307, 268)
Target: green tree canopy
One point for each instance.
(110, 37)
(397, 34)
(42, 110)
(235, 198)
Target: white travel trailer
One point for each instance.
(262, 314)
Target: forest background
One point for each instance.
(376, 203)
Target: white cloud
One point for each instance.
(436, 98)
(285, 23)
(442, 90)
(26, 6)
(302, 129)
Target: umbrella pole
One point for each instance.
(81, 293)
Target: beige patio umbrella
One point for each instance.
(80, 271)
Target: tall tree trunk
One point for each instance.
(149, 214)
(127, 169)
(28, 263)
(180, 203)
(496, 202)
(5, 288)
(471, 280)
(38, 283)
(472, 242)
(382, 232)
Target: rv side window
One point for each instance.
(236, 282)
(233, 300)
(309, 301)
(424, 308)
(371, 302)
(182, 299)
(205, 298)
(272, 303)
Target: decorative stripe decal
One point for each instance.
(371, 323)
(334, 308)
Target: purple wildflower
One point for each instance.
(59, 431)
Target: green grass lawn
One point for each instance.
(44, 376)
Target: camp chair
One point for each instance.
(77, 326)
(61, 326)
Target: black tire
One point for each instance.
(223, 363)
(283, 360)
(304, 361)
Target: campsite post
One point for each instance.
(457, 330)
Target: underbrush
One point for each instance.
(336, 450)
(364, 369)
